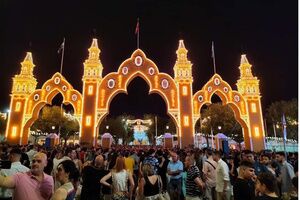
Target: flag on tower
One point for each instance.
(137, 28)
(62, 46)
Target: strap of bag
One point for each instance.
(210, 164)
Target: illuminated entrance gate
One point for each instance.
(93, 104)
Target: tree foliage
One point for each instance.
(220, 119)
(51, 116)
(274, 115)
(3, 123)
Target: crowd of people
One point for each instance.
(145, 173)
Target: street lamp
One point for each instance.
(107, 127)
(219, 127)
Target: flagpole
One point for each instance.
(284, 135)
(62, 57)
(213, 56)
(138, 33)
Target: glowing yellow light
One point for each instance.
(186, 121)
(253, 107)
(18, 106)
(256, 131)
(88, 121)
(90, 90)
(184, 90)
(14, 131)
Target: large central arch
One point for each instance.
(138, 65)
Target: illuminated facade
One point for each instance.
(92, 105)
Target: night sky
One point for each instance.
(264, 30)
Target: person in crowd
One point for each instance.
(152, 160)
(24, 158)
(32, 150)
(34, 184)
(194, 184)
(209, 175)
(68, 176)
(129, 162)
(91, 174)
(16, 166)
(222, 177)
(243, 188)
(120, 178)
(266, 160)
(149, 184)
(266, 186)
(59, 157)
(174, 170)
(162, 169)
(75, 158)
(286, 173)
(257, 165)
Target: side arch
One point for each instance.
(39, 98)
(229, 97)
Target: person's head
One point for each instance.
(189, 161)
(67, 171)
(73, 155)
(209, 152)
(120, 164)
(217, 155)
(147, 170)
(266, 183)
(151, 152)
(249, 156)
(266, 159)
(247, 169)
(99, 161)
(280, 156)
(174, 156)
(15, 154)
(39, 162)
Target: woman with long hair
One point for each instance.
(68, 177)
(120, 178)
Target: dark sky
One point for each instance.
(265, 30)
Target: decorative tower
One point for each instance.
(248, 86)
(23, 85)
(91, 79)
(184, 79)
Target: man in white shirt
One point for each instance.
(16, 166)
(222, 178)
(209, 174)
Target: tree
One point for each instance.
(52, 116)
(3, 122)
(218, 118)
(274, 115)
(68, 128)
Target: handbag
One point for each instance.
(162, 195)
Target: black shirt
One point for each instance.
(91, 186)
(243, 189)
